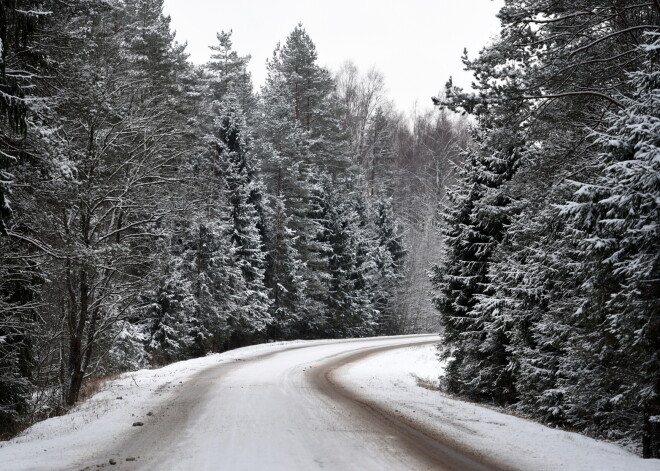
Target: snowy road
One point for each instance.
(279, 411)
(302, 405)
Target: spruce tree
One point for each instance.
(388, 259)
(285, 280)
(20, 20)
(19, 284)
(475, 224)
(347, 314)
(241, 189)
(201, 294)
(616, 222)
(22, 113)
(523, 303)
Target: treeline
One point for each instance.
(549, 286)
(154, 211)
(412, 158)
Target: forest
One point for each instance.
(153, 210)
(549, 282)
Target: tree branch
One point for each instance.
(608, 36)
(566, 94)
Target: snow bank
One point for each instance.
(403, 380)
(108, 415)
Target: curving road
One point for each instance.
(283, 411)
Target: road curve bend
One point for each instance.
(283, 411)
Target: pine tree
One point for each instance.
(149, 43)
(229, 74)
(307, 84)
(292, 154)
(284, 149)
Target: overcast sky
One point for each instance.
(417, 44)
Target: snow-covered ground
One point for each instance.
(104, 417)
(92, 431)
(402, 381)
(261, 407)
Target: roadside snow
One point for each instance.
(108, 415)
(402, 380)
(391, 379)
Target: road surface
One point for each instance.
(281, 411)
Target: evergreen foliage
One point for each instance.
(615, 219)
(307, 165)
(163, 211)
(242, 190)
(546, 293)
(153, 211)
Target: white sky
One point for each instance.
(417, 44)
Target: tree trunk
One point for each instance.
(76, 354)
(651, 437)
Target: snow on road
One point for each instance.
(60, 442)
(245, 409)
(511, 441)
(264, 407)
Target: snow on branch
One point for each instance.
(586, 92)
(611, 35)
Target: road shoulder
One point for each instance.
(400, 383)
